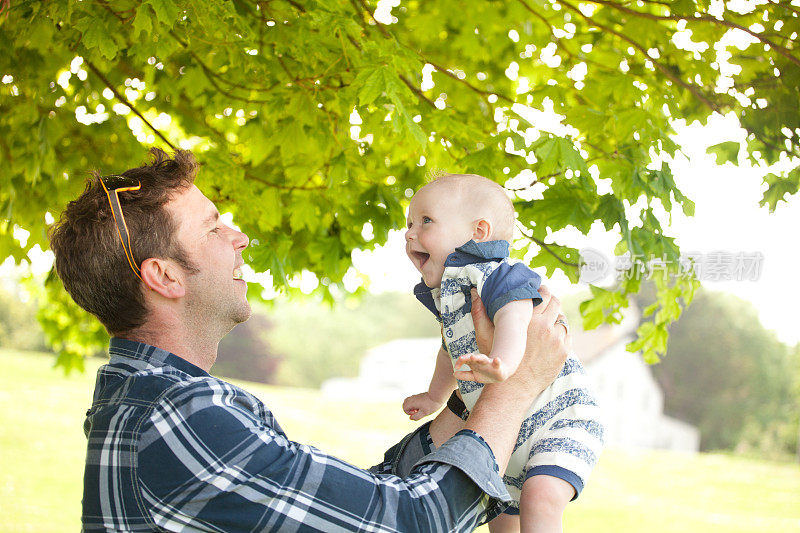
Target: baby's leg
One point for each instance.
(542, 503)
(505, 523)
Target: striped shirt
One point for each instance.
(171, 448)
(562, 435)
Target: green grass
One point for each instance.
(42, 448)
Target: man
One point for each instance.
(172, 448)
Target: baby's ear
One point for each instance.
(482, 231)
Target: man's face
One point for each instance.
(437, 224)
(217, 293)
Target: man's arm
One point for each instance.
(206, 458)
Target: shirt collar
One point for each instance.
(426, 295)
(152, 355)
(477, 252)
(468, 253)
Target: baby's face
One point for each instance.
(437, 224)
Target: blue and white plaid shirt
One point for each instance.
(171, 447)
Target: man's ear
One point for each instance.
(482, 230)
(164, 277)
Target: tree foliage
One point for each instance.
(314, 118)
(245, 352)
(749, 379)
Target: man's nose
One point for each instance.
(240, 240)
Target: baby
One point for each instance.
(459, 232)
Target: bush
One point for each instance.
(19, 328)
(244, 353)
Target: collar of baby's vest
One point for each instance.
(467, 254)
(477, 252)
(119, 347)
(425, 295)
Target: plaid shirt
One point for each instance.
(171, 447)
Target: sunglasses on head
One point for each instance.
(113, 185)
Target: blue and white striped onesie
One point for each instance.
(562, 434)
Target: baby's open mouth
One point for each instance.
(421, 257)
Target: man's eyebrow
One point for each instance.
(211, 219)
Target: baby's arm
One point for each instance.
(510, 334)
(442, 385)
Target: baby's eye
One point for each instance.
(425, 220)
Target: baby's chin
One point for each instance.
(432, 283)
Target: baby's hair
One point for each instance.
(488, 198)
(436, 173)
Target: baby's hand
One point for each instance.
(482, 368)
(420, 405)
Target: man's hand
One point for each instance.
(546, 347)
(484, 329)
(482, 368)
(420, 405)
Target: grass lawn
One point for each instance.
(42, 448)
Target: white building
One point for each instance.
(389, 372)
(631, 400)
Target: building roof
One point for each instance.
(588, 345)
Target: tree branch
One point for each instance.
(668, 73)
(210, 73)
(378, 24)
(381, 27)
(125, 101)
(546, 247)
(224, 141)
(703, 18)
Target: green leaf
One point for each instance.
(303, 216)
(778, 187)
(97, 36)
(725, 152)
(407, 121)
(167, 12)
(372, 88)
(270, 210)
(142, 22)
(652, 342)
(603, 306)
(565, 204)
(610, 211)
(555, 257)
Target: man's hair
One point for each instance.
(487, 198)
(89, 257)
